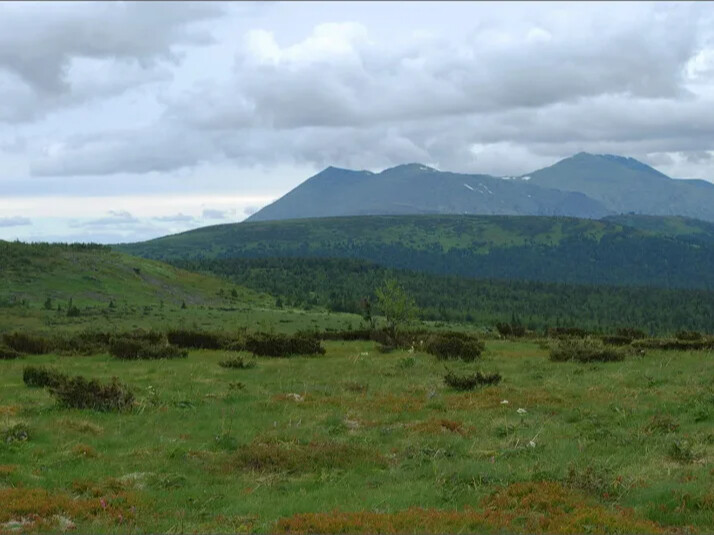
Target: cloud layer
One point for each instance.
(225, 97)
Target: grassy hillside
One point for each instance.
(95, 275)
(551, 249)
(112, 290)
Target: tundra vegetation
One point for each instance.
(234, 416)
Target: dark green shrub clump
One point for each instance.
(510, 330)
(280, 345)
(39, 376)
(469, 382)
(585, 350)
(347, 335)
(631, 332)
(196, 339)
(617, 340)
(238, 363)
(689, 336)
(80, 393)
(125, 349)
(27, 343)
(454, 345)
(566, 332)
(7, 353)
(673, 344)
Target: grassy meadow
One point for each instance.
(362, 441)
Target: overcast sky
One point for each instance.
(126, 121)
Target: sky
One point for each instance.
(125, 121)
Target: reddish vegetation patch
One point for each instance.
(7, 469)
(9, 410)
(275, 456)
(40, 510)
(543, 507)
(441, 426)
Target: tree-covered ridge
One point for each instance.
(547, 249)
(340, 285)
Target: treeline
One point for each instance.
(340, 285)
(545, 249)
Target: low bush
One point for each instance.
(80, 393)
(30, 344)
(566, 332)
(688, 335)
(238, 363)
(8, 353)
(631, 332)
(617, 340)
(469, 382)
(404, 339)
(197, 339)
(674, 344)
(585, 350)
(41, 377)
(280, 345)
(126, 349)
(454, 345)
(348, 335)
(510, 330)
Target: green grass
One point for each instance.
(210, 449)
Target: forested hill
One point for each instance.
(538, 248)
(341, 284)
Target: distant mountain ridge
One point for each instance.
(584, 185)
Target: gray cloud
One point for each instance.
(116, 218)
(57, 55)
(178, 218)
(209, 213)
(337, 96)
(16, 221)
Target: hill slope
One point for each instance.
(625, 185)
(585, 185)
(417, 189)
(553, 249)
(95, 275)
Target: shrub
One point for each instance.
(688, 335)
(196, 339)
(585, 350)
(617, 340)
(15, 433)
(27, 343)
(510, 330)
(237, 363)
(673, 344)
(469, 382)
(347, 335)
(80, 393)
(280, 345)
(39, 376)
(631, 332)
(566, 332)
(454, 345)
(138, 350)
(7, 353)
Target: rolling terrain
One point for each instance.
(547, 249)
(584, 185)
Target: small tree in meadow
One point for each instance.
(397, 306)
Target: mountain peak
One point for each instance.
(411, 168)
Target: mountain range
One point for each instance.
(584, 186)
